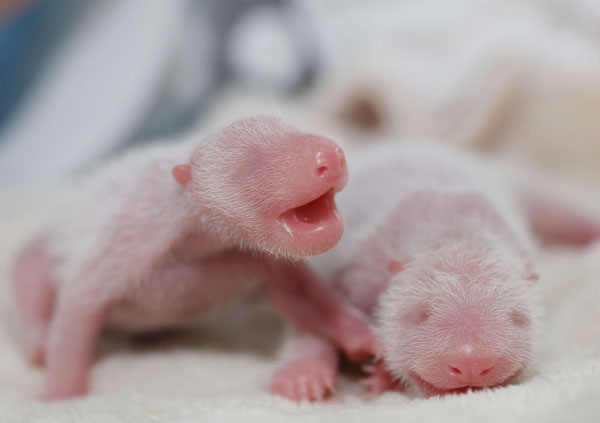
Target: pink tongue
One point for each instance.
(316, 211)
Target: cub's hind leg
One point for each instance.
(35, 295)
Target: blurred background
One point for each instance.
(84, 80)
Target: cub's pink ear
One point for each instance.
(395, 266)
(181, 173)
(533, 277)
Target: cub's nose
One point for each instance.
(468, 369)
(330, 164)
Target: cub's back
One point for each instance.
(384, 177)
(137, 184)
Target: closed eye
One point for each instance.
(519, 318)
(417, 315)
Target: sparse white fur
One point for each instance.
(218, 184)
(79, 233)
(377, 175)
(466, 253)
(83, 228)
(100, 228)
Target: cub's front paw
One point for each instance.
(311, 380)
(379, 380)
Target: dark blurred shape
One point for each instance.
(9, 7)
(202, 64)
(363, 111)
(298, 32)
(199, 67)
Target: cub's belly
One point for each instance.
(178, 295)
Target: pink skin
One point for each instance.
(35, 297)
(258, 185)
(303, 300)
(445, 275)
(310, 371)
(463, 359)
(454, 315)
(559, 223)
(379, 380)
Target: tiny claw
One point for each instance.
(378, 352)
(353, 335)
(379, 379)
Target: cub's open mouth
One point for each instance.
(430, 390)
(312, 216)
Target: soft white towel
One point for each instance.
(221, 371)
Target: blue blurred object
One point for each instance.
(29, 39)
(81, 80)
(26, 41)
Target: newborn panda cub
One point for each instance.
(170, 233)
(437, 252)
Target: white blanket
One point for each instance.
(221, 371)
